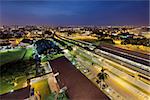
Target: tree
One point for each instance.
(74, 60)
(102, 76)
(43, 71)
(28, 82)
(69, 48)
(14, 81)
(52, 96)
(62, 96)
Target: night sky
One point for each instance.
(75, 12)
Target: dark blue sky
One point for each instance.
(85, 12)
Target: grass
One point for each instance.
(51, 57)
(61, 96)
(84, 57)
(7, 87)
(11, 55)
(43, 88)
(139, 48)
(15, 71)
(28, 54)
(15, 55)
(84, 38)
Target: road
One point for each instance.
(132, 55)
(128, 54)
(131, 65)
(137, 67)
(122, 87)
(126, 89)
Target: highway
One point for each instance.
(117, 78)
(134, 64)
(131, 55)
(118, 60)
(128, 54)
(125, 75)
(134, 56)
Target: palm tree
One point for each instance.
(102, 76)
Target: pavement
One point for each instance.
(78, 86)
(53, 83)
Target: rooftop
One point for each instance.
(79, 87)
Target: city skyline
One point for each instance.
(84, 12)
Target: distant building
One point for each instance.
(125, 35)
(27, 41)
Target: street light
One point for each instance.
(107, 90)
(11, 91)
(65, 50)
(74, 48)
